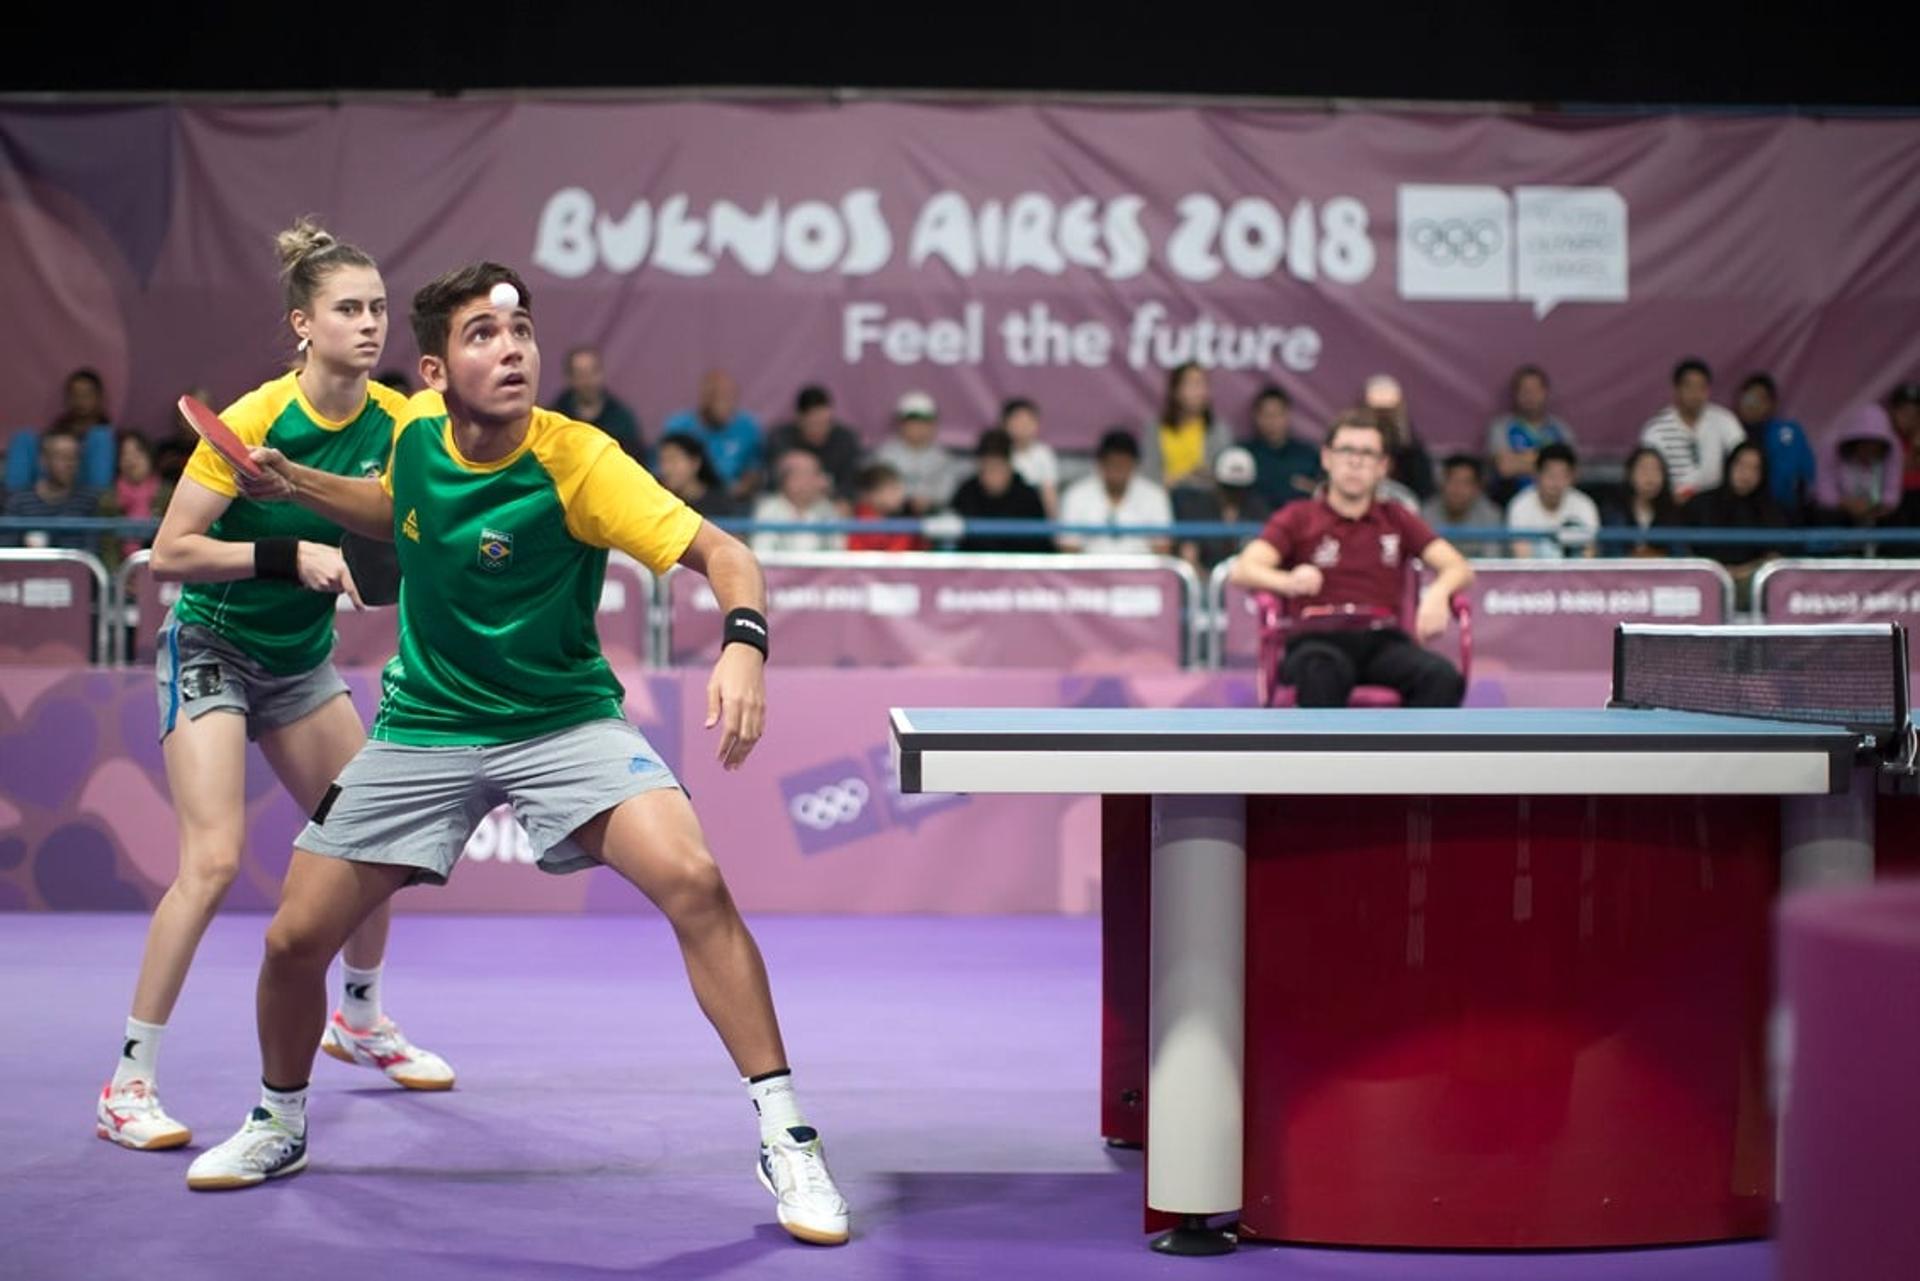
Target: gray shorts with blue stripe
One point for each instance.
(196, 670)
(415, 807)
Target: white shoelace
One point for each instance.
(808, 1169)
(136, 1097)
(384, 1039)
(265, 1141)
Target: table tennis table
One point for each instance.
(1467, 978)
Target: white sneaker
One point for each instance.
(132, 1117)
(811, 1207)
(263, 1149)
(385, 1047)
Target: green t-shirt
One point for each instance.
(501, 565)
(283, 626)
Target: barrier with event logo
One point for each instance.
(938, 609)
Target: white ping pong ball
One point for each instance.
(504, 295)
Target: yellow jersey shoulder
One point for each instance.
(392, 403)
(566, 447)
(253, 413)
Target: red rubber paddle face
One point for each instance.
(218, 434)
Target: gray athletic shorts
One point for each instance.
(197, 670)
(416, 806)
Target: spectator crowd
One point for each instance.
(1700, 466)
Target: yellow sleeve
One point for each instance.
(249, 417)
(611, 500)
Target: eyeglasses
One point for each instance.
(1355, 454)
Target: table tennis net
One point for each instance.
(1852, 674)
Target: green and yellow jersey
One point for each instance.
(501, 565)
(283, 626)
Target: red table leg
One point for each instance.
(1126, 909)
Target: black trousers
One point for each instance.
(1323, 668)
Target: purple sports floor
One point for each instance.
(597, 1130)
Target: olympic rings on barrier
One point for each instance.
(832, 805)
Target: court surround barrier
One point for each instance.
(933, 609)
(951, 609)
(1528, 615)
(54, 606)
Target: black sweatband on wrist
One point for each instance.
(746, 626)
(277, 558)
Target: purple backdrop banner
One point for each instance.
(902, 610)
(1535, 617)
(1062, 251)
(811, 825)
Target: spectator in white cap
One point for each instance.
(928, 471)
(1231, 500)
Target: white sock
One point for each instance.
(360, 1006)
(289, 1107)
(139, 1053)
(777, 1106)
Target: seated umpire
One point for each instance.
(1343, 548)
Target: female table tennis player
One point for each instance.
(244, 655)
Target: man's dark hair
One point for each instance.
(1009, 408)
(1691, 365)
(434, 305)
(994, 443)
(1467, 461)
(812, 396)
(574, 353)
(696, 449)
(1760, 380)
(1119, 441)
(1523, 373)
(87, 375)
(873, 476)
(1360, 419)
(1554, 453)
(1272, 391)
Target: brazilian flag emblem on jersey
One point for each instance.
(496, 549)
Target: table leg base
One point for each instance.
(1194, 1238)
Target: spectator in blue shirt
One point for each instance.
(731, 435)
(1285, 467)
(1515, 438)
(1782, 441)
(56, 493)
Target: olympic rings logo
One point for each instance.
(831, 806)
(1456, 240)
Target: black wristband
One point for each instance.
(277, 558)
(748, 627)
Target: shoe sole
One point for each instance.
(160, 1144)
(228, 1182)
(799, 1232)
(335, 1051)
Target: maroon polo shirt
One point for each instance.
(1364, 561)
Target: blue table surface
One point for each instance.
(1674, 728)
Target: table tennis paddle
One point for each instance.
(217, 434)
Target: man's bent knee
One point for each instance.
(694, 888)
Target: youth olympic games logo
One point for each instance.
(831, 806)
